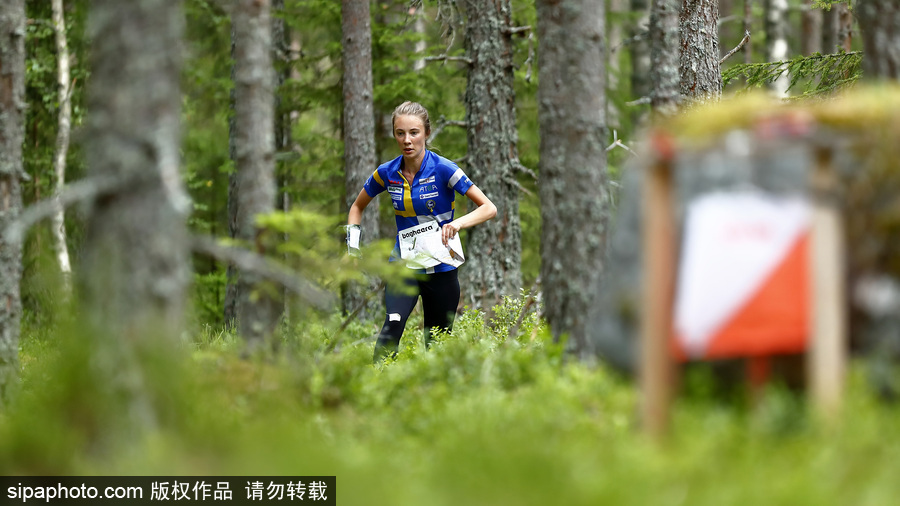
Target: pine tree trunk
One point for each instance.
(135, 255)
(136, 241)
(575, 199)
(701, 78)
(776, 40)
(258, 309)
(665, 56)
(845, 27)
(615, 41)
(836, 28)
(641, 85)
(281, 50)
(748, 28)
(230, 302)
(879, 22)
(494, 251)
(12, 134)
(810, 29)
(359, 136)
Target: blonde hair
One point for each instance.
(412, 109)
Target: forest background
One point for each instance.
(490, 416)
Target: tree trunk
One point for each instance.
(421, 44)
(359, 134)
(641, 85)
(810, 29)
(494, 252)
(615, 40)
(575, 199)
(748, 28)
(776, 27)
(281, 50)
(836, 28)
(701, 78)
(135, 254)
(665, 56)
(258, 310)
(12, 134)
(879, 22)
(230, 302)
(845, 27)
(58, 221)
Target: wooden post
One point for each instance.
(827, 350)
(656, 362)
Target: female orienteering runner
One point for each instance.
(423, 187)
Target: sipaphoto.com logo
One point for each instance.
(48, 493)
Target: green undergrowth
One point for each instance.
(479, 418)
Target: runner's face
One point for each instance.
(409, 131)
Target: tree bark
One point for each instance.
(879, 22)
(281, 51)
(359, 134)
(810, 29)
(494, 252)
(135, 253)
(641, 85)
(421, 44)
(748, 28)
(701, 78)
(640, 48)
(12, 134)
(615, 40)
(58, 221)
(665, 56)
(258, 309)
(836, 28)
(230, 302)
(575, 199)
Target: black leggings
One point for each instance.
(440, 296)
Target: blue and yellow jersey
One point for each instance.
(430, 195)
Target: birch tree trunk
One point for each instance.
(58, 221)
(776, 27)
(575, 199)
(701, 78)
(879, 22)
(494, 253)
(359, 132)
(12, 134)
(421, 44)
(665, 56)
(258, 310)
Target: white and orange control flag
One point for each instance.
(743, 277)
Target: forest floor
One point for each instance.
(479, 418)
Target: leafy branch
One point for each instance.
(822, 73)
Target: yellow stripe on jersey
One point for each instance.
(378, 179)
(407, 201)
